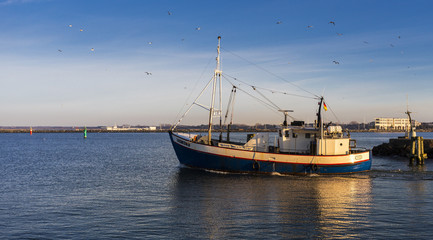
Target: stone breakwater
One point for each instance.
(401, 147)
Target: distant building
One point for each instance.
(123, 128)
(113, 128)
(393, 124)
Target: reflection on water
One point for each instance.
(212, 205)
(125, 185)
(344, 203)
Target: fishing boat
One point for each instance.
(296, 147)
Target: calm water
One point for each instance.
(130, 185)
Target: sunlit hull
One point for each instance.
(216, 158)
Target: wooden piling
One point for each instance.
(412, 151)
(417, 151)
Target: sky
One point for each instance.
(106, 62)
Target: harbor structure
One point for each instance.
(410, 145)
(402, 124)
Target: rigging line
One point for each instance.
(275, 105)
(263, 102)
(272, 107)
(201, 93)
(338, 120)
(271, 73)
(270, 90)
(193, 89)
(257, 99)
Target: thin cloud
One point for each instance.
(10, 2)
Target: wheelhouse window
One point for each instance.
(287, 133)
(294, 135)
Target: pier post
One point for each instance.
(412, 151)
(417, 151)
(424, 156)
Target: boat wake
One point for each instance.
(278, 174)
(223, 172)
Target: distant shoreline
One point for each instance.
(79, 131)
(165, 131)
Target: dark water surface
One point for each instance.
(130, 185)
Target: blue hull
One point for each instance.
(197, 159)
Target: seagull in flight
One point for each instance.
(339, 34)
(197, 28)
(279, 22)
(336, 62)
(148, 73)
(309, 26)
(332, 22)
(168, 12)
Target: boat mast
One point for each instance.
(216, 77)
(319, 113)
(410, 129)
(320, 122)
(230, 105)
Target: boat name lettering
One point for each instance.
(182, 142)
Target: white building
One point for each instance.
(394, 123)
(113, 128)
(123, 128)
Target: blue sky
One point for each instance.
(74, 63)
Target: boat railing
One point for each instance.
(358, 150)
(235, 146)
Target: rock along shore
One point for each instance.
(401, 147)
